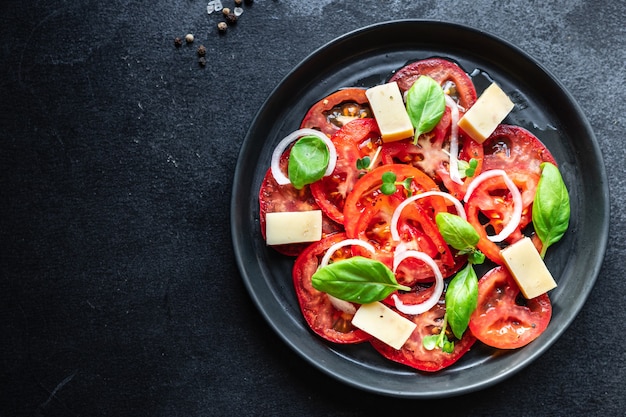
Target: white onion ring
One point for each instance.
(515, 194)
(396, 214)
(343, 305)
(281, 178)
(454, 140)
(438, 290)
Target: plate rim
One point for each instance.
(604, 209)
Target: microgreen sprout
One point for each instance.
(363, 163)
(471, 169)
(389, 184)
(439, 340)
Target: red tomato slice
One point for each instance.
(504, 319)
(443, 71)
(413, 353)
(355, 140)
(278, 198)
(489, 209)
(337, 109)
(367, 188)
(513, 148)
(324, 319)
(417, 230)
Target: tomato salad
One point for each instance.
(405, 222)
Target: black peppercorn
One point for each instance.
(201, 50)
(178, 41)
(231, 19)
(202, 61)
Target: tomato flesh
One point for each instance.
(504, 319)
(336, 110)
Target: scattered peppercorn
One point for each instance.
(225, 11)
(231, 19)
(202, 61)
(178, 42)
(201, 50)
(222, 26)
(238, 2)
(189, 38)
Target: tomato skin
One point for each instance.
(355, 140)
(317, 117)
(413, 353)
(319, 313)
(274, 197)
(441, 70)
(502, 322)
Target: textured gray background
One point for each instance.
(119, 293)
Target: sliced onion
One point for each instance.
(395, 235)
(346, 242)
(375, 158)
(343, 305)
(281, 178)
(438, 290)
(515, 194)
(454, 140)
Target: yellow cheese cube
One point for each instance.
(527, 267)
(384, 324)
(486, 114)
(293, 227)
(390, 112)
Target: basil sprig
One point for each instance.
(357, 279)
(425, 104)
(308, 160)
(462, 292)
(551, 209)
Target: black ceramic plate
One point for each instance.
(368, 57)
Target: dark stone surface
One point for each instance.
(119, 292)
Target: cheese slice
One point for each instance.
(384, 324)
(390, 112)
(527, 267)
(293, 227)
(486, 114)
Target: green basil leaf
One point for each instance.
(551, 208)
(461, 299)
(456, 231)
(357, 279)
(425, 104)
(308, 160)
